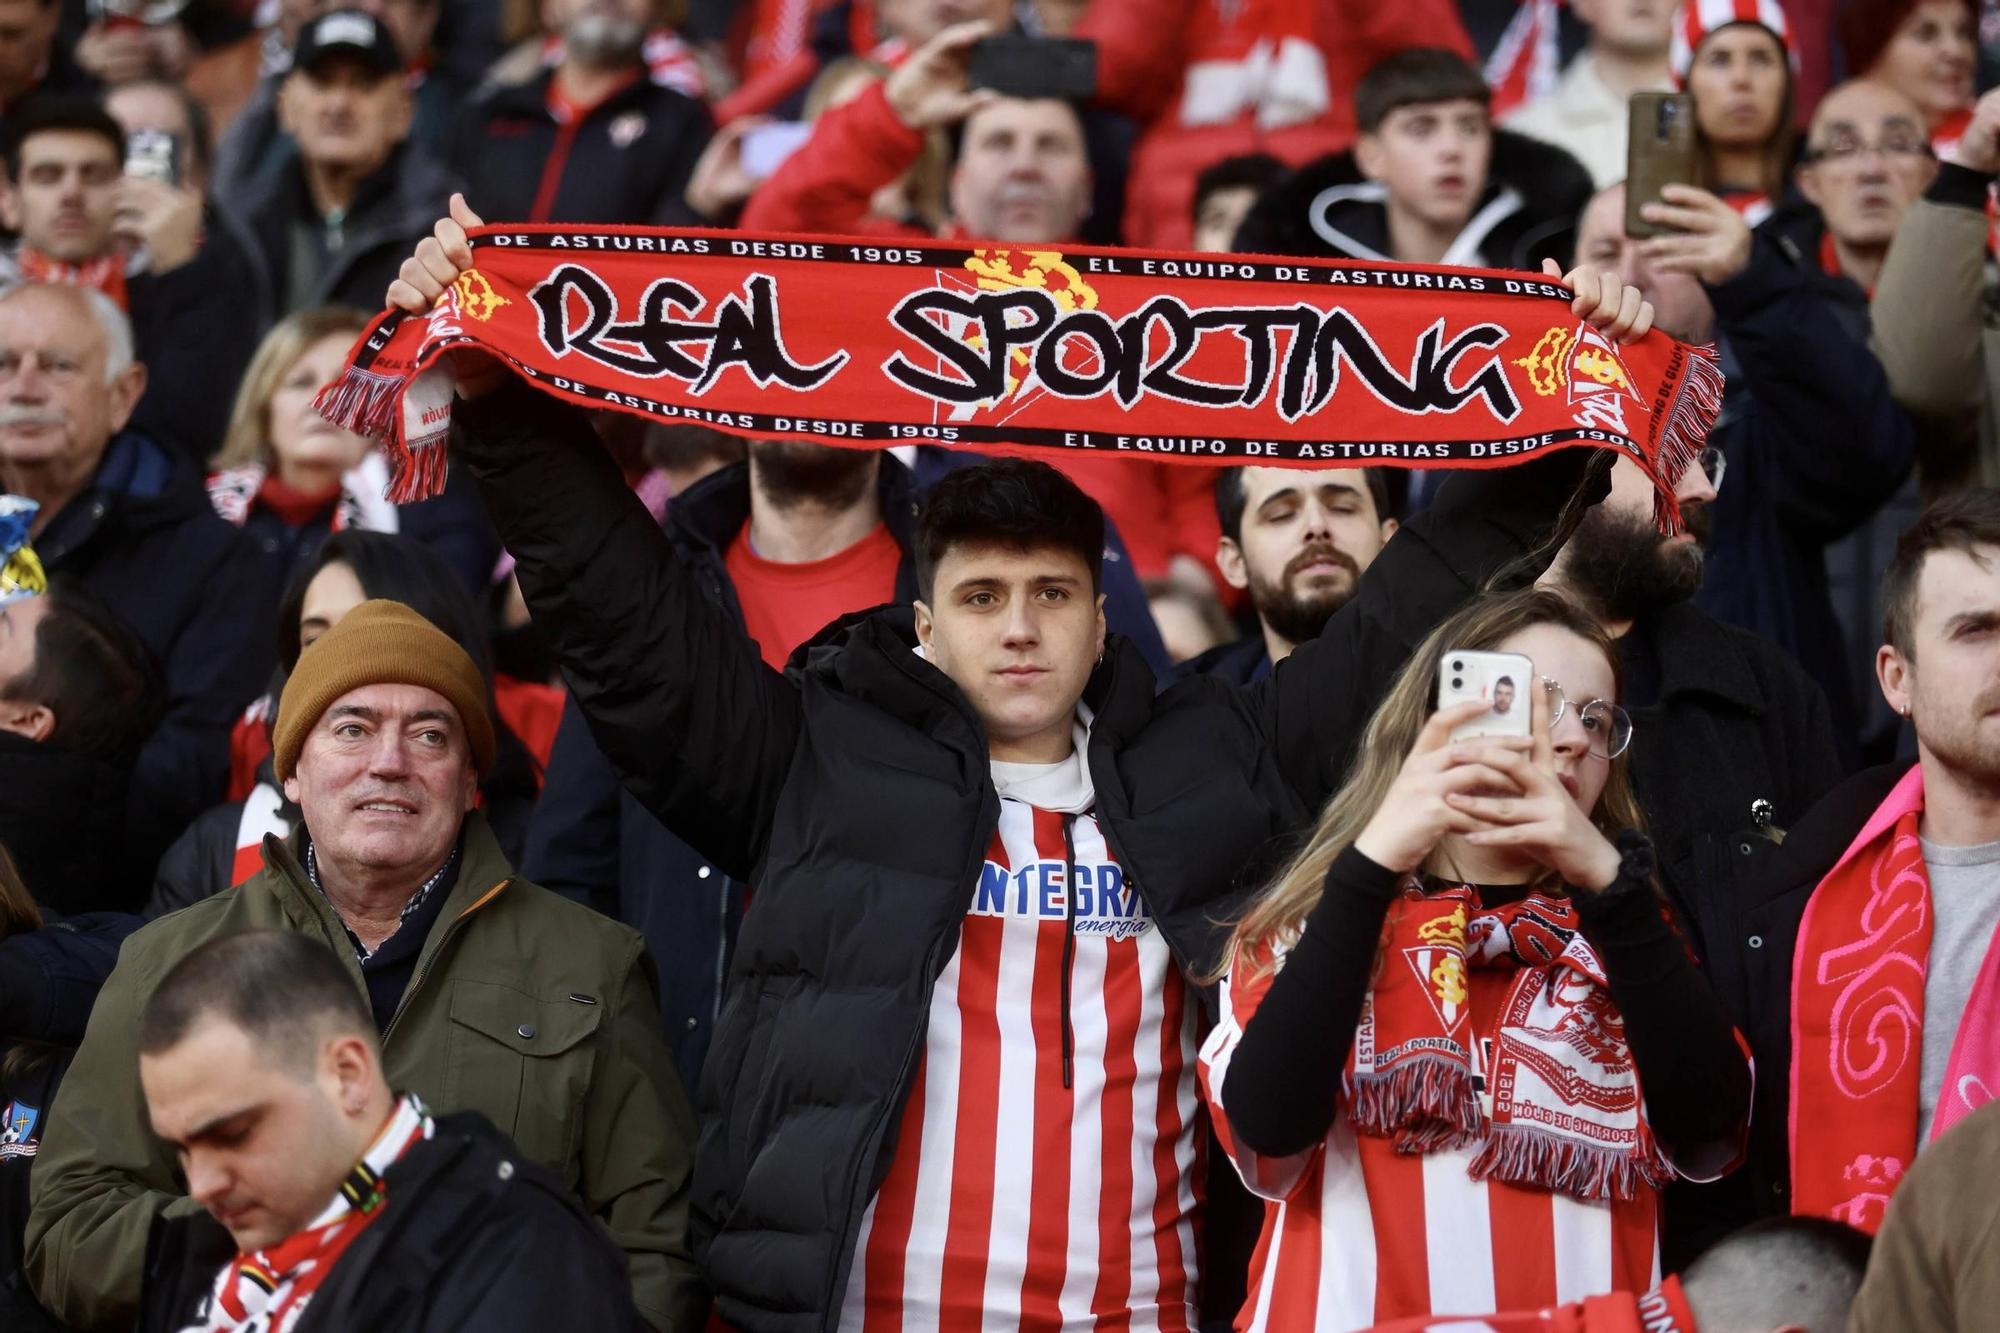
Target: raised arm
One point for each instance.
(1482, 525)
(678, 698)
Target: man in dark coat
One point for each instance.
(335, 220)
(926, 786)
(331, 1203)
(1814, 441)
(592, 140)
(130, 521)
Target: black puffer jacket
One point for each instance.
(472, 1237)
(854, 792)
(1328, 210)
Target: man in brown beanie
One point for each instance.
(490, 993)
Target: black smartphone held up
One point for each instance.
(1659, 151)
(1016, 66)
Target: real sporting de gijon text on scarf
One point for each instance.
(1196, 358)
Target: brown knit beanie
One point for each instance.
(379, 643)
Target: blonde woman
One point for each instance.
(289, 477)
(1462, 1049)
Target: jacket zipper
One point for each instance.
(424, 967)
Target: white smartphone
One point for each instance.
(766, 147)
(1500, 680)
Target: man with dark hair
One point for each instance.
(1429, 180)
(79, 696)
(1735, 743)
(594, 139)
(488, 992)
(1297, 540)
(329, 1201)
(1894, 876)
(1223, 194)
(194, 294)
(34, 66)
(989, 861)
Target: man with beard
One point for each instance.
(1297, 541)
(1731, 742)
(1887, 893)
(592, 140)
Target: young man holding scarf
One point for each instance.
(1872, 948)
(932, 1033)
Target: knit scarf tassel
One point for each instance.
(1526, 1155)
(1696, 404)
(362, 401)
(1427, 1105)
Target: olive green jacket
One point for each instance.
(528, 1008)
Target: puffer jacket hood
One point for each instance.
(1328, 210)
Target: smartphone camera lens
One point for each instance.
(1458, 666)
(1457, 684)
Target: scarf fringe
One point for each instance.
(1689, 421)
(364, 402)
(1428, 1104)
(1524, 1155)
(416, 473)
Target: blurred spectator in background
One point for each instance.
(1814, 442)
(1935, 327)
(64, 170)
(1297, 541)
(1585, 115)
(331, 224)
(1023, 175)
(287, 476)
(594, 139)
(1926, 50)
(1208, 79)
(79, 696)
(1739, 70)
(34, 66)
(1191, 623)
(1223, 195)
(130, 521)
(1867, 160)
(1429, 181)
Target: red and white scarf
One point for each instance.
(1561, 1108)
(1858, 1021)
(106, 273)
(270, 1288)
(233, 491)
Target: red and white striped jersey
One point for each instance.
(1356, 1234)
(1012, 1200)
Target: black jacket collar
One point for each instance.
(1698, 656)
(138, 486)
(1816, 841)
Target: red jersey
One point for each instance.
(1015, 1196)
(1356, 1233)
(786, 604)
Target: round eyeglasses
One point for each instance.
(1608, 726)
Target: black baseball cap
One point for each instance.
(348, 32)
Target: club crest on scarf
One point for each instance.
(17, 1130)
(1544, 1091)
(1585, 366)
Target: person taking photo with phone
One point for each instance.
(1462, 1047)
